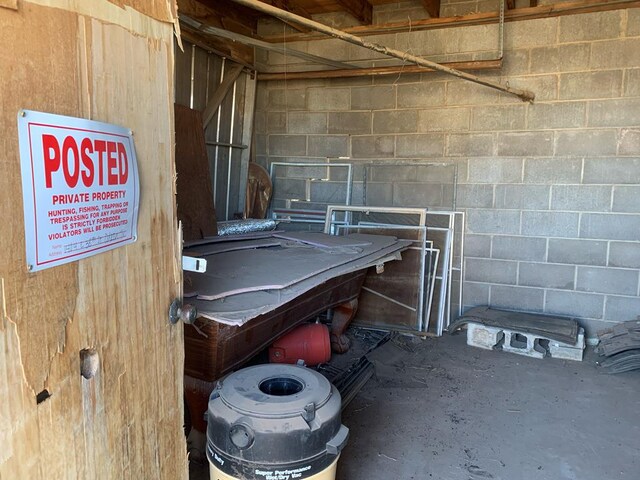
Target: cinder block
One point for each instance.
(474, 294)
(519, 248)
(392, 173)
(553, 170)
(477, 246)
(607, 280)
(334, 99)
(416, 195)
(287, 145)
(294, 99)
(491, 118)
(577, 252)
(620, 53)
(290, 188)
(354, 123)
(610, 226)
(627, 199)
(461, 92)
(557, 115)
(306, 122)
(328, 192)
(483, 336)
(379, 193)
(372, 146)
(581, 198)
(470, 145)
(611, 170)
(589, 85)
(495, 170)
(516, 62)
(632, 83)
(560, 58)
(534, 144)
(550, 224)
(622, 309)
(493, 221)
(261, 144)
(490, 271)
(420, 145)
(586, 142)
(395, 121)
(593, 26)
(523, 197)
(474, 195)
(328, 145)
(373, 98)
(566, 351)
(615, 113)
(574, 304)
(425, 42)
(517, 298)
(420, 95)
(547, 275)
(532, 33)
(633, 22)
(444, 119)
(328, 48)
(276, 122)
(358, 53)
(435, 173)
(624, 254)
(629, 140)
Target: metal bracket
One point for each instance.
(177, 311)
(193, 264)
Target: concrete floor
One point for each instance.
(454, 412)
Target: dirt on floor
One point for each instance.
(440, 409)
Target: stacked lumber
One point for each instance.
(621, 347)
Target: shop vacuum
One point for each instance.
(274, 422)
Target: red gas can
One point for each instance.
(308, 342)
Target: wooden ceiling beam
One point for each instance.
(485, 18)
(221, 14)
(406, 57)
(511, 4)
(432, 7)
(237, 52)
(290, 6)
(378, 71)
(361, 9)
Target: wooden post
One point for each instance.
(524, 95)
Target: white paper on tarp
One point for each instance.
(80, 187)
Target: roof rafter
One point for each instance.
(361, 9)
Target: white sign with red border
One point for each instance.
(80, 187)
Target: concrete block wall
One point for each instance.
(551, 189)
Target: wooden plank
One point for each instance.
(183, 74)
(432, 7)
(524, 95)
(126, 422)
(294, 8)
(361, 9)
(485, 18)
(378, 71)
(219, 95)
(194, 196)
(511, 4)
(247, 135)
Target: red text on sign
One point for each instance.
(92, 161)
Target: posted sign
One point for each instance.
(79, 185)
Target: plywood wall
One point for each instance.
(112, 62)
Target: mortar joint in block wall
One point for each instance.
(523, 343)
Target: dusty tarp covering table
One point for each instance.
(248, 313)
